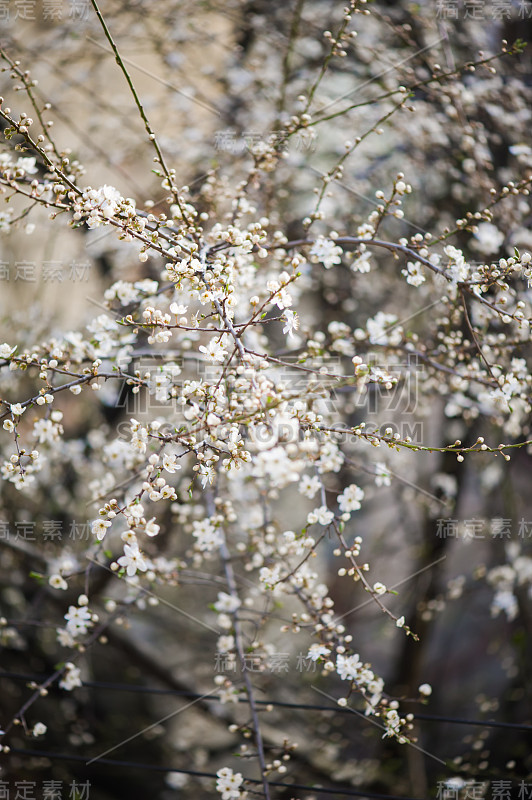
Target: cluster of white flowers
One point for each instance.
(79, 619)
(350, 668)
(208, 538)
(321, 516)
(506, 578)
(71, 678)
(458, 269)
(25, 165)
(247, 401)
(229, 783)
(127, 293)
(382, 329)
(326, 251)
(99, 206)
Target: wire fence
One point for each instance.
(166, 769)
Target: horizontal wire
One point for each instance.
(127, 687)
(157, 768)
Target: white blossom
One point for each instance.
(132, 560)
(6, 350)
(488, 238)
(382, 474)
(57, 582)
(291, 322)
(226, 603)
(71, 678)
(348, 667)
(413, 273)
(228, 783)
(214, 351)
(170, 463)
(207, 536)
(317, 650)
(351, 498)
(320, 515)
(39, 729)
(79, 620)
(99, 528)
(326, 251)
(309, 485)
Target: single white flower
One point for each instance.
(64, 638)
(27, 164)
(178, 309)
(225, 643)
(292, 321)
(152, 529)
(99, 528)
(207, 475)
(58, 582)
(6, 350)
(136, 510)
(39, 729)
(226, 603)
(71, 678)
(317, 650)
(214, 351)
(309, 485)
(170, 463)
(413, 273)
(382, 474)
(132, 560)
(350, 498)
